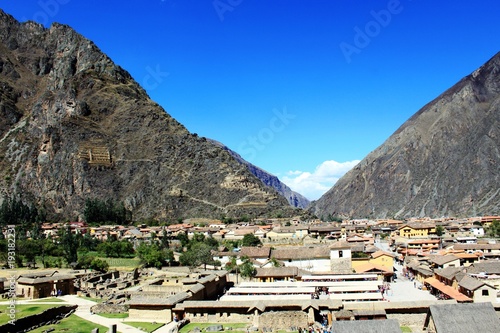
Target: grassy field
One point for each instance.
(23, 310)
(406, 329)
(48, 299)
(72, 324)
(235, 327)
(114, 315)
(146, 327)
(122, 264)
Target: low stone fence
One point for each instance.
(283, 320)
(47, 317)
(109, 308)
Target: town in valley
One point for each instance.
(266, 274)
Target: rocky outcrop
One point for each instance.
(294, 199)
(445, 160)
(74, 126)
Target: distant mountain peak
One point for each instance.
(294, 199)
(444, 160)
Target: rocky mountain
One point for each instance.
(74, 126)
(445, 160)
(294, 199)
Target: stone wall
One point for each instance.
(47, 317)
(150, 315)
(341, 265)
(109, 308)
(220, 318)
(280, 320)
(413, 320)
(168, 290)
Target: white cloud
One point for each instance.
(314, 185)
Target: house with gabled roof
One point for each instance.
(383, 258)
(239, 233)
(260, 254)
(359, 239)
(311, 258)
(488, 250)
(439, 262)
(488, 270)
(478, 290)
(457, 318)
(371, 326)
(329, 231)
(44, 284)
(384, 272)
(282, 233)
(273, 274)
(450, 275)
(419, 269)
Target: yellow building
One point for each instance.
(417, 230)
(380, 262)
(382, 258)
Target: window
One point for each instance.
(485, 292)
(341, 254)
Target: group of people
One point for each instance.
(385, 289)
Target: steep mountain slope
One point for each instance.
(445, 160)
(294, 199)
(73, 126)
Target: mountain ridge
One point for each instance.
(76, 126)
(294, 199)
(444, 160)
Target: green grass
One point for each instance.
(72, 324)
(49, 299)
(406, 329)
(23, 310)
(116, 263)
(144, 326)
(235, 327)
(114, 315)
(122, 262)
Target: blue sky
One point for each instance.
(302, 89)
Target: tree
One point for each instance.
(198, 254)
(99, 265)
(116, 249)
(198, 237)
(231, 265)
(153, 256)
(247, 269)
(165, 244)
(494, 229)
(250, 240)
(14, 211)
(98, 211)
(439, 230)
(30, 249)
(88, 243)
(70, 245)
(85, 261)
(275, 262)
(212, 242)
(183, 238)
